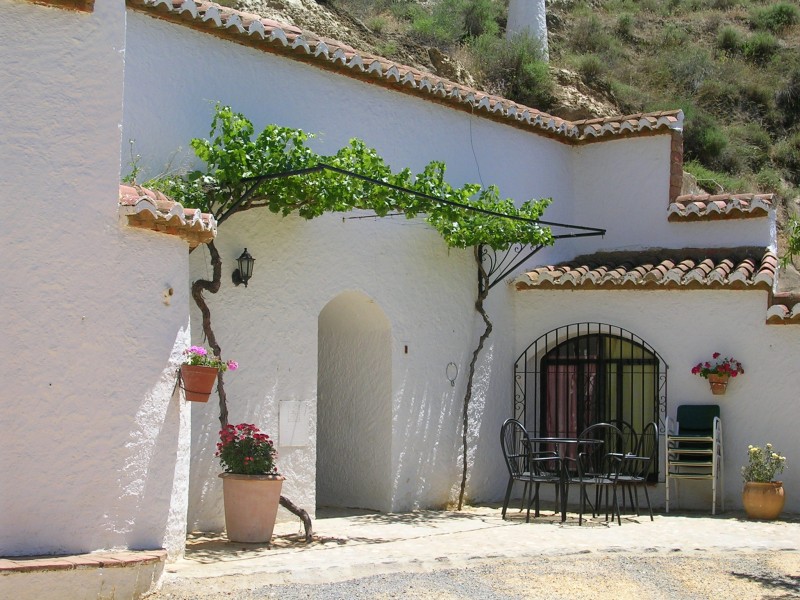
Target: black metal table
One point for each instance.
(539, 444)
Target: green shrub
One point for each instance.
(760, 47)
(687, 67)
(751, 143)
(377, 23)
(591, 68)
(514, 68)
(387, 49)
(589, 36)
(406, 11)
(756, 99)
(674, 36)
(630, 99)
(624, 27)
(787, 98)
(723, 4)
(712, 181)
(769, 180)
(452, 21)
(786, 154)
(717, 96)
(730, 40)
(776, 18)
(728, 161)
(703, 140)
(480, 17)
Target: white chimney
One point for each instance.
(528, 15)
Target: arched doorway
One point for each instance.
(354, 409)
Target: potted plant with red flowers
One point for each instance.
(719, 372)
(199, 372)
(251, 485)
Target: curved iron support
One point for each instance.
(498, 267)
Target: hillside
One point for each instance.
(732, 66)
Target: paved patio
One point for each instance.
(349, 544)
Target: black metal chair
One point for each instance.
(637, 466)
(598, 465)
(630, 443)
(527, 465)
(630, 439)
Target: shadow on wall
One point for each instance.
(428, 436)
(206, 512)
(152, 468)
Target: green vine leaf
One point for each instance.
(232, 154)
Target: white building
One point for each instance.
(348, 324)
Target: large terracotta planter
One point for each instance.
(718, 383)
(198, 381)
(763, 500)
(251, 506)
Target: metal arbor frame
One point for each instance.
(531, 369)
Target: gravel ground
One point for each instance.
(620, 575)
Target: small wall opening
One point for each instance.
(354, 410)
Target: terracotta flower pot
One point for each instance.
(198, 381)
(718, 383)
(251, 506)
(763, 500)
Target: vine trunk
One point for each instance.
(483, 291)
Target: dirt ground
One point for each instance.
(619, 575)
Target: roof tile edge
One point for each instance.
(337, 56)
(144, 208)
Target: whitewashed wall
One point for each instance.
(95, 445)
(686, 327)
(528, 16)
(622, 186)
(426, 291)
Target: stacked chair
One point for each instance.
(694, 449)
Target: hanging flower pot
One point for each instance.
(199, 373)
(719, 372)
(718, 383)
(198, 382)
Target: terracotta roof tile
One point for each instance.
(717, 268)
(150, 209)
(696, 207)
(784, 309)
(293, 42)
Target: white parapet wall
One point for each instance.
(528, 16)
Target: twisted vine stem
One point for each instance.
(483, 292)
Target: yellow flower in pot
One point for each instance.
(763, 497)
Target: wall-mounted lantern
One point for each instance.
(245, 270)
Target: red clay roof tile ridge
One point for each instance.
(432, 85)
(146, 208)
(712, 268)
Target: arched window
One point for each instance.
(587, 373)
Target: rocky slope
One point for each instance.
(574, 100)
